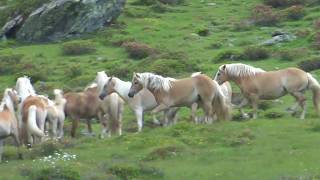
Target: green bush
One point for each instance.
(10, 63)
(295, 12)
(51, 173)
(162, 153)
(78, 48)
(255, 53)
(229, 54)
(310, 65)
(73, 71)
(283, 3)
(44, 149)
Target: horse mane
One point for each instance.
(155, 81)
(27, 83)
(195, 74)
(241, 70)
(5, 99)
(91, 86)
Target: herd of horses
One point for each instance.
(31, 118)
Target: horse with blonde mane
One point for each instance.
(140, 103)
(227, 92)
(8, 122)
(170, 92)
(32, 112)
(87, 105)
(256, 84)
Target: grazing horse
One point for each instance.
(56, 114)
(32, 112)
(170, 92)
(141, 102)
(8, 122)
(227, 92)
(257, 84)
(87, 105)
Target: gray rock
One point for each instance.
(279, 37)
(10, 28)
(61, 19)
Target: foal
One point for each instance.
(257, 84)
(8, 122)
(169, 92)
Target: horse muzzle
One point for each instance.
(131, 95)
(102, 96)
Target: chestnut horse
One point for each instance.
(256, 84)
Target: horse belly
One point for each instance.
(269, 95)
(4, 130)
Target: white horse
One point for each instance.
(8, 122)
(143, 101)
(32, 111)
(56, 115)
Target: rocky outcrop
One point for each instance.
(279, 37)
(11, 27)
(61, 19)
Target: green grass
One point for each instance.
(267, 148)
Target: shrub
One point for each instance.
(138, 50)
(78, 48)
(10, 63)
(274, 115)
(162, 153)
(310, 65)
(243, 25)
(73, 71)
(160, 7)
(295, 12)
(264, 15)
(316, 41)
(152, 2)
(256, 53)
(52, 173)
(44, 149)
(230, 54)
(316, 24)
(287, 55)
(283, 3)
(127, 171)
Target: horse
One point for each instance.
(140, 103)
(8, 121)
(87, 105)
(170, 92)
(256, 84)
(56, 114)
(32, 112)
(227, 92)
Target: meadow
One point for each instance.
(176, 40)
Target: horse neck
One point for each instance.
(8, 102)
(122, 88)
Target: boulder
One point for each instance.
(11, 27)
(279, 37)
(61, 19)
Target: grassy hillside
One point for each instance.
(176, 40)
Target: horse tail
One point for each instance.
(220, 106)
(314, 85)
(32, 122)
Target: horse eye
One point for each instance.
(136, 82)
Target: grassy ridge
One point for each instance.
(186, 38)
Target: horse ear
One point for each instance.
(224, 67)
(137, 75)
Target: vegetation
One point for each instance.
(180, 39)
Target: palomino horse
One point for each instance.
(257, 84)
(87, 105)
(169, 92)
(56, 114)
(141, 102)
(8, 122)
(227, 92)
(32, 111)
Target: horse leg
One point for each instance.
(207, 107)
(194, 108)
(302, 102)
(139, 116)
(155, 120)
(104, 125)
(159, 108)
(75, 123)
(120, 111)
(241, 105)
(89, 126)
(173, 115)
(60, 128)
(17, 143)
(1, 149)
(254, 102)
